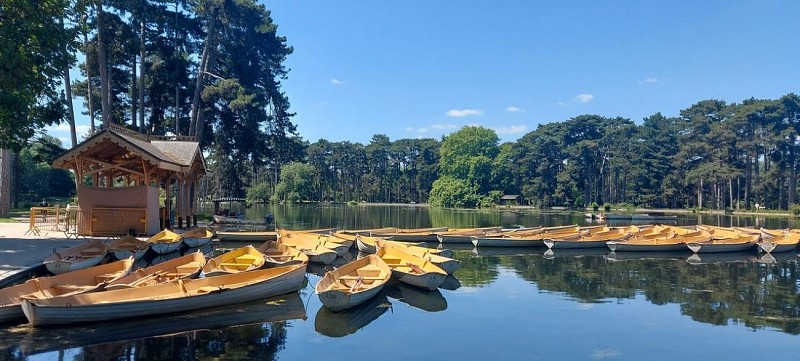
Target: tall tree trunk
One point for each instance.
(6, 180)
(134, 80)
(700, 194)
(142, 50)
(89, 88)
(68, 96)
(195, 125)
(102, 59)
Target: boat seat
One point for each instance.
(187, 268)
(233, 264)
(246, 257)
(362, 277)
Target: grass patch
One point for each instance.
(8, 220)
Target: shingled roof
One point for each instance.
(118, 143)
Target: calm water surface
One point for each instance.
(503, 304)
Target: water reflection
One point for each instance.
(431, 301)
(349, 321)
(236, 324)
(711, 288)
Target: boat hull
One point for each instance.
(165, 247)
(506, 242)
(41, 315)
(772, 247)
(63, 266)
(552, 244)
(624, 247)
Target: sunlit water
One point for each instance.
(503, 304)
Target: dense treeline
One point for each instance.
(713, 155)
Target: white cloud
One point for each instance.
(511, 129)
(460, 113)
(650, 80)
(409, 129)
(335, 81)
(443, 126)
(561, 104)
(604, 354)
(584, 98)
(515, 110)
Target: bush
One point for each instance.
(607, 207)
(595, 206)
(795, 209)
(352, 203)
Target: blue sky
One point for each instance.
(412, 69)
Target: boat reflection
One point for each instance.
(451, 283)
(639, 256)
(773, 258)
(575, 252)
(349, 321)
(32, 341)
(724, 257)
(431, 301)
(507, 251)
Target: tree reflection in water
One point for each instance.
(738, 290)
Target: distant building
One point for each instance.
(510, 199)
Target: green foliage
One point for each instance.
(33, 58)
(452, 192)
(352, 203)
(607, 207)
(595, 206)
(36, 178)
(259, 193)
(795, 209)
(295, 183)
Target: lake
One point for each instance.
(503, 304)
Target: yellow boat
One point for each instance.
(315, 250)
(238, 260)
(411, 269)
(277, 254)
(197, 237)
(353, 284)
(338, 245)
(447, 264)
(165, 242)
(778, 241)
(188, 266)
(165, 298)
(128, 246)
(84, 255)
(84, 280)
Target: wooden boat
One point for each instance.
(412, 234)
(167, 298)
(165, 241)
(778, 241)
(367, 244)
(83, 280)
(246, 236)
(743, 243)
(367, 232)
(528, 240)
(277, 254)
(353, 283)
(198, 237)
(291, 238)
(668, 242)
(721, 232)
(84, 255)
(447, 264)
(315, 251)
(596, 240)
(238, 260)
(465, 235)
(188, 266)
(128, 246)
(411, 269)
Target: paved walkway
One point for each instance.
(18, 250)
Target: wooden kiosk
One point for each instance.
(119, 173)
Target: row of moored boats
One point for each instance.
(115, 290)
